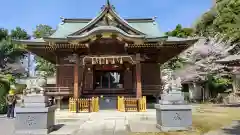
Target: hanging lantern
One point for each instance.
(93, 62)
(113, 62)
(118, 59)
(121, 60)
(106, 61)
(96, 60)
(100, 61)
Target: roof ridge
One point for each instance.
(108, 9)
(76, 20)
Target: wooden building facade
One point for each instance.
(108, 55)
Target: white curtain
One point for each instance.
(116, 77)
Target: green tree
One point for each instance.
(19, 33)
(43, 65)
(223, 18)
(43, 31)
(9, 53)
(3, 33)
(180, 32)
(218, 84)
(4, 88)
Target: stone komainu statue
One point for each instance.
(166, 80)
(35, 85)
(170, 82)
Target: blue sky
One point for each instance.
(29, 13)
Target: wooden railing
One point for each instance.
(84, 104)
(58, 91)
(61, 91)
(108, 92)
(132, 104)
(151, 89)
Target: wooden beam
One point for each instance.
(138, 76)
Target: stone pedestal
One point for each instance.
(173, 113)
(35, 117)
(58, 100)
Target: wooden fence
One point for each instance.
(84, 104)
(132, 104)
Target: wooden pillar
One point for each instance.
(57, 72)
(138, 77)
(76, 78)
(58, 100)
(81, 78)
(59, 104)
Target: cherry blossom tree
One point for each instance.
(201, 58)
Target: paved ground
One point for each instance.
(6, 126)
(115, 123)
(107, 123)
(100, 123)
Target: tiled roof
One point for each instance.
(147, 27)
(230, 59)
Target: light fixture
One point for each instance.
(93, 62)
(100, 61)
(113, 62)
(106, 61)
(121, 60)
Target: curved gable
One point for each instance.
(108, 17)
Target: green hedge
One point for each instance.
(4, 88)
(3, 106)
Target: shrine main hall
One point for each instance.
(107, 55)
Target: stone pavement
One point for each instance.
(6, 126)
(107, 123)
(115, 123)
(97, 123)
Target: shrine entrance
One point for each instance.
(108, 103)
(109, 74)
